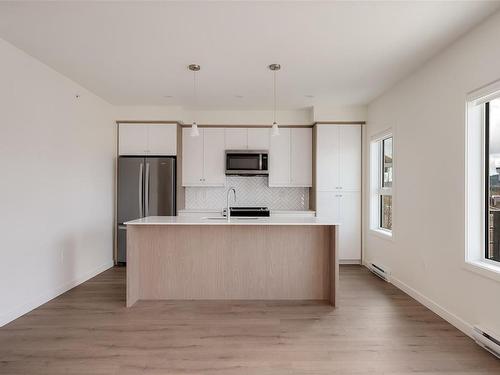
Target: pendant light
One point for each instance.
(275, 129)
(194, 126)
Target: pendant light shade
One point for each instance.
(275, 130)
(194, 126)
(194, 130)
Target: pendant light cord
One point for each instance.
(274, 93)
(195, 98)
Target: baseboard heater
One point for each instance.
(379, 271)
(487, 340)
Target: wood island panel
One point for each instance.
(230, 262)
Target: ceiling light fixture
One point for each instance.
(194, 126)
(275, 129)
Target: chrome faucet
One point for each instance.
(228, 210)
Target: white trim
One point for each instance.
(484, 94)
(382, 233)
(350, 261)
(451, 318)
(474, 257)
(484, 267)
(376, 190)
(19, 311)
(387, 133)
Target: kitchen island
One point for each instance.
(194, 258)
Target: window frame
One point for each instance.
(377, 190)
(477, 181)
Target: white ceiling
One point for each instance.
(136, 53)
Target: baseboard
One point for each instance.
(433, 306)
(46, 297)
(350, 261)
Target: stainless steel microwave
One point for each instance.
(247, 162)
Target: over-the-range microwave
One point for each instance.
(247, 162)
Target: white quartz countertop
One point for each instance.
(180, 220)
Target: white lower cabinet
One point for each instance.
(345, 208)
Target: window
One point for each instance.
(483, 181)
(492, 181)
(386, 186)
(382, 168)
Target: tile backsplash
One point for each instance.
(250, 191)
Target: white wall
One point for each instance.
(427, 112)
(330, 112)
(217, 117)
(56, 190)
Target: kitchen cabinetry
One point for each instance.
(258, 138)
(236, 139)
(338, 184)
(203, 158)
(147, 139)
(290, 158)
(279, 159)
(247, 138)
(338, 157)
(301, 157)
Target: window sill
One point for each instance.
(385, 234)
(483, 268)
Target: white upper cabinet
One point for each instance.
(162, 139)
(236, 139)
(290, 158)
(192, 158)
(338, 157)
(301, 157)
(350, 157)
(327, 158)
(133, 139)
(247, 138)
(214, 157)
(258, 138)
(279, 159)
(147, 139)
(203, 158)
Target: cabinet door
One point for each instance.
(236, 139)
(214, 157)
(162, 139)
(301, 157)
(350, 157)
(327, 158)
(133, 139)
(192, 158)
(350, 228)
(279, 159)
(328, 205)
(258, 138)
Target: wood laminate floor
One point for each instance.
(376, 329)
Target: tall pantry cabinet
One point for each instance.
(338, 184)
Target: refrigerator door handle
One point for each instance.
(146, 195)
(141, 211)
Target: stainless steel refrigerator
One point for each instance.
(146, 187)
